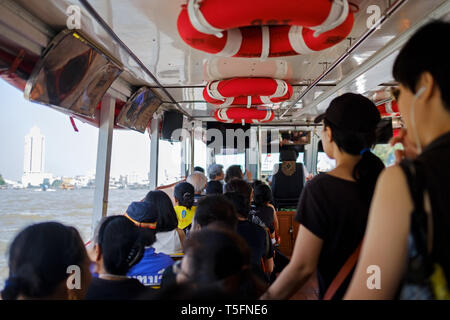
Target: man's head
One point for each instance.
(198, 180)
(215, 172)
(215, 208)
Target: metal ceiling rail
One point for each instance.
(108, 29)
(369, 32)
(396, 44)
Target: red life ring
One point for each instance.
(388, 109)
(244, 115)
(265, 28)
(247, 91)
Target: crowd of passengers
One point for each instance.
(216, 235)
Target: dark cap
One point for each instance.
(352, 112)
(142, 212)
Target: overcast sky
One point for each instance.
(68, 153)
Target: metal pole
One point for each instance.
(154, 151)
(260, 142)
(104, 147)
(192, 147)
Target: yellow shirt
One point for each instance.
(184, 216)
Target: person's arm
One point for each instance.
(386, 239)
(302, 265)
(276, 224)
(268, 265)
(181, 235)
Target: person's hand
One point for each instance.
(409, 148)
(309, 177)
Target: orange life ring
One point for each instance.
(244, 115)
(388, 109)
(247, 91)
(264, 28)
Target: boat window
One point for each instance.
(231, 157)
(200, 154)
(169, 162)
(324, 163)
(386, 153)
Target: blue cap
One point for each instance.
(142, 211)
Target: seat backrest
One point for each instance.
(287, 184)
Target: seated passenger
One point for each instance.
(264, 209)
(216, 176)
(169, 237)
(233, 172)
(214, 209)
(150, 268)
(407, 235)
(39, 258)
(184, 205)
(198, 181)
(218, 258)
(117, 248)
(244, 188)
(256, 237)
(287, 179)
(334, 206)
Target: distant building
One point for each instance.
(34, 159)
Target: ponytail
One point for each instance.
(121, 243)
(136, 253)
(188, 200)
(366, 172)
(14, 286)
(184, 194)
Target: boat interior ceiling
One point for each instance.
(153, 54)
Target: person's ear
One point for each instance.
(328, 134)
(97, 252)
(427, 86)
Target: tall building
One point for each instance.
(34, 159)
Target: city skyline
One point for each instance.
(68, 153)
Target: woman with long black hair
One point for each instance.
(334, 206)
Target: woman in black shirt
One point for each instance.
(263, 209)
(333, 207)
(423, 70)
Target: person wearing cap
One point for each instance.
(184, 204)
(216, 175)
(334, 206)
(150, 268)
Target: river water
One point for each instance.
(20, 208)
